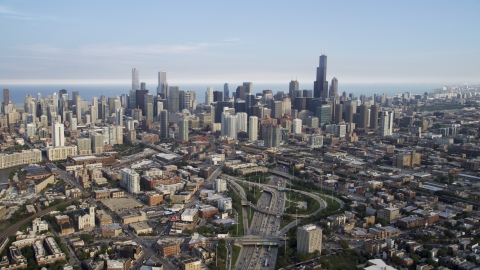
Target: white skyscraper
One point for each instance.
(386, 124)
(253, 128)
(242, 122)
(297, 126)
(162, 88)
(135, 79)
(183, 124)
(58, 134)
(130, 180)
(232, 131)
(209, 96)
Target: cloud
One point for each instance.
(7, 12)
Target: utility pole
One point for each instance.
(216, 255)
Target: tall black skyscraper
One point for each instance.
(320, 86)
(226, 92)
(217, 96)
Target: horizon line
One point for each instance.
(122, 82)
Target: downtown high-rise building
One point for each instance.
(248, 87)
(231, 126)
(188, 100)
(338, 113)
(173, 99)
(253, 128)
(6, 96)
(209, 96)
(94, 110)
(320, 86)
(297, 126)
(334, 88)
(135, 80)
(364, 117)
(164, 124)
(226, 92)
(287, 106)
(386, 124)
(162, 88)
(277, 109)
(350, 109)
(272, 135)
(97, 141)
(292, 87)
(58, 134)
(119, 117)
(217, 96)
(324, 114)
(183, 132)
(242, 120)
(240, 92)
(374, 109)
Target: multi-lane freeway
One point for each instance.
(253, 256)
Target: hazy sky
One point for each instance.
(223, 41)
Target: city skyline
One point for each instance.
(375, 42)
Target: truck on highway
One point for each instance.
(266, 263)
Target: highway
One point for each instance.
(273, 189)
(266, 226)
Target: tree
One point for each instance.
(344, 244)
(382, 222)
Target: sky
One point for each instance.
(98, 42)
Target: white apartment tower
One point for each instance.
(242, 122)
(209, 96)
(58, 134)
(130, 180)
(386, 124)
(253, 128)
(309, 239)
(231, 127)
(297, 126)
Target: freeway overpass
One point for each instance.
(280, 173)
(266, 187)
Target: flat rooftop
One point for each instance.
(117, 204)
